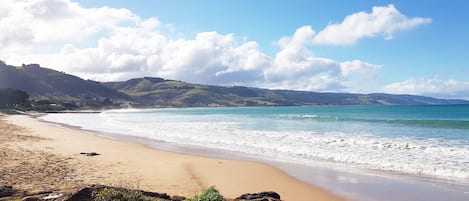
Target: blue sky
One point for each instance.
(425, 52)
(414, 52)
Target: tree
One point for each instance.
(10, 98)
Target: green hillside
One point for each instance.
(47, 86)
(57, 87)
(157, 92)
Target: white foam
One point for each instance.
(432, 157)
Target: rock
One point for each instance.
(85, 194)
(6, 191)
(35, 193)
(177, 198)
(31, 199)
(90, 153)
(262, 196)
(156, 195)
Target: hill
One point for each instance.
(58, 87)
(169, 93)
(47, 84)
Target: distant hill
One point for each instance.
(44, 83)
(169, 93)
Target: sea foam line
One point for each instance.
(430, 157)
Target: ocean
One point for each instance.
(427, 141)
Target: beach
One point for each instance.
(44, 156)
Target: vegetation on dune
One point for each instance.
(209, 194)
(112, 194)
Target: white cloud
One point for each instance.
(53, 22)
(383, 21)
(109, 44)
(434, 87)
(356, 66)
(295, 59)
(295, 66)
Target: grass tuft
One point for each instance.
(209, 194)
(111, 194)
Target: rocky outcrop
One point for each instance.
(156, 195)
(86, 194)
(262, 196)
(6, 191)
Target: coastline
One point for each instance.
(137, 165)
(349, 183)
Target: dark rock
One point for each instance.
(31, 199)
(262, 196)
(34, 193)
(90, 153)
(156, 195)
(6, 191)
(85, 194)
(177, 198)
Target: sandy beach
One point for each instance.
(44, 156)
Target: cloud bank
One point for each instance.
(109, 44)
(434, 87)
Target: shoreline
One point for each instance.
(354, 179)
(351, 184)
(171, 172)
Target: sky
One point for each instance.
(357, 46)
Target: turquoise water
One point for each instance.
(424, 140)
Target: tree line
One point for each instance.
(12, 98)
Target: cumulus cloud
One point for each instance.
(109, 44)
(434, 87)
(48, 22)
(384, 21)
(295, 59)
(296, 66)
(356, 66)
